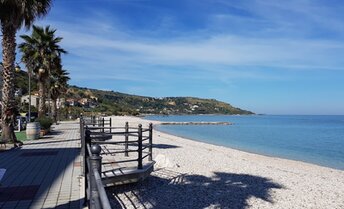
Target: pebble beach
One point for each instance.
(192, 174)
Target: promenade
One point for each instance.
(44, 173)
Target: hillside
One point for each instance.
(116, 102)
(110, 102)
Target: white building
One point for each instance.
(34, 100)
(60, 103)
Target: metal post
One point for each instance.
(29, 72)
(103, 124)
(87, 139)
(95, 162)
(19, 124)
(83, 145)
(150, 157)
(139, 166)
(87, 136)
(126, 153)
(110, 125)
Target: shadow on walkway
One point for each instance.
(168, 189)
(54, 133)
(34, 171)
(41, 141)
(75, 204)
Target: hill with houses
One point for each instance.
(120, 103)
(78, 99)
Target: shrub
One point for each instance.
(45, 122)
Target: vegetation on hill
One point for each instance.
(116, 103)
(119, 103)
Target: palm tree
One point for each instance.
(13, 15)
(40, 50)
(58, 85)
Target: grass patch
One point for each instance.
(21, 136)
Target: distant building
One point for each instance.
(173, 103)
(18, 93)
(72, 102)
(34, 100)
(60, 103)
(84, 102)
(94, 98)
(194, 107)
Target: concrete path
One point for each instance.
(44, 173)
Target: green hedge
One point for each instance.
(45, 122)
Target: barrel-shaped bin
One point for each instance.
(33, 130)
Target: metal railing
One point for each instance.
(97, 122)
(96, 133)
(142, 144)
(95, 194)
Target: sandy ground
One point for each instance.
(190, 174)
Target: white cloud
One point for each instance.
(217, 50)
(99, 44)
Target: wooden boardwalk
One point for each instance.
(44, 173)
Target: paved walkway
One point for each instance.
(44, 173)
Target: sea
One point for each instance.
(316, 139)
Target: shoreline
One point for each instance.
(258, 181)
(246, 151)
(161, 123)
(194, 123)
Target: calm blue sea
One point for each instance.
(313, 139)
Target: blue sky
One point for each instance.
(267, 56)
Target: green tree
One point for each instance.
(41, 54)
(13, 15)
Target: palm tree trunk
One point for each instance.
(41, 94)
(54, 110)
(8, 101)
(49, 98)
